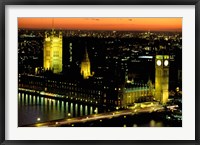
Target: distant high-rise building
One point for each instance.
(162, 78)
(85, 66)
(53, 51)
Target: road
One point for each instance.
(108, 115)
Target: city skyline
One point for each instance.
(113, 78)
(122, 24)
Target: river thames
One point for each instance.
(36, 109)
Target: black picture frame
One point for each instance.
(4, 3)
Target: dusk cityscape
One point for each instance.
(100, 72)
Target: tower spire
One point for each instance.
(52, 26)
(86, 57)
(85, 66)
(52, 23)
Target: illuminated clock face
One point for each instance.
(166, 62)
(158, 62)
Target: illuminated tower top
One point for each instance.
(162, 78)
(85, 66)
(53, 51)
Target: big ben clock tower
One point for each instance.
(162, 78)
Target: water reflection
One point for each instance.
(152, 123)
(34, 109)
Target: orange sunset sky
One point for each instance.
(133, 24)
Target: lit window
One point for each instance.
(56, 54)
(47, 53)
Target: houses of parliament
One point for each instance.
(93, 87)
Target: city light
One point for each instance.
(83, 76)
